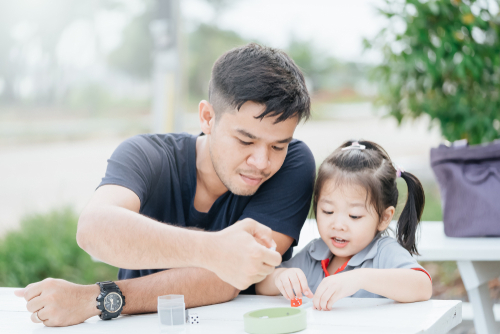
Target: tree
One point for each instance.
(444, 63)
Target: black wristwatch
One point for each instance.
(110, 301)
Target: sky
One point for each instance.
(335, 26)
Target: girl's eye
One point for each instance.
(327, 212)
(244, 142)
(355, 217)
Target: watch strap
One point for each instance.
(107, 287)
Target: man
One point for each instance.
(244, 177)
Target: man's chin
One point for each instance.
(244, 191)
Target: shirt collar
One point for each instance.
(368, 253)
(319, 251)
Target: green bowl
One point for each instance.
(276, 320)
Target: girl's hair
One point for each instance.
(372, 169)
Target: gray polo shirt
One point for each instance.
(383, 252)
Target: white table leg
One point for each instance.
(475, 275)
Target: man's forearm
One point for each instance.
(199, 286)
(126, 239)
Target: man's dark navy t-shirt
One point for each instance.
(161, 170)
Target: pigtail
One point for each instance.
(411, 214)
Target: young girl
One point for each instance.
(354, 201)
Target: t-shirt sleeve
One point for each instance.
(283, 202)
(135, 164)
(301, 260)
(392, 255)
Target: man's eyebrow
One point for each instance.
(247, 134)
(251, 136)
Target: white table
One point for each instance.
(349, 315)
(478, 260)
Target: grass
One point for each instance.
(45, 246)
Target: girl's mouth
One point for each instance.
(339, 243)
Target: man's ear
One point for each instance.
(386, 218)
(207, 117)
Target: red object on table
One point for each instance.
(296, 302)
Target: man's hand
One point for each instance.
(59, 302)
(240, 254)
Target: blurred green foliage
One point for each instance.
(134, 54)
(432, 208)
(45, 246)
(442, 58)
(205, 44)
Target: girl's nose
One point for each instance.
(338, 224)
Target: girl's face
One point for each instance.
(347, 223)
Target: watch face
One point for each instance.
(112, 302)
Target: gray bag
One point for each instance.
(469, 180)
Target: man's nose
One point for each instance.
(259, 158)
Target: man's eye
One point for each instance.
(244, 142)
(278, 148)
(327, 212)
(355, 217)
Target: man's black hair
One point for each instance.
(262, 75)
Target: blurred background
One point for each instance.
(78, 77)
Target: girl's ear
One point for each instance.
(386, 218)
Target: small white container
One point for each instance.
(171, 313)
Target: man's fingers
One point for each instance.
(36, 319)
(19, 293)
(32, 291)
(265, 270)
(35, 304)
(271, 258)
(261, 233)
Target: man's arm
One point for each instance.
(111, 229)
(199, 286)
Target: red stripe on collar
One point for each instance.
(326, 262)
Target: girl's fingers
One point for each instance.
(282, 289)
(287, 287)
(294, 280)
(317, 297)
(303, 283)
(333, 299)
(325, 297)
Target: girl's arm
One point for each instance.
(267, 287)
(402, 285)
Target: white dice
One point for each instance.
(193, 319)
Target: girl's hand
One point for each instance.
(291, 280)
(335, 287)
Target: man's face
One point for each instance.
(246, 151)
